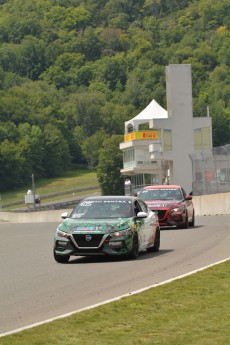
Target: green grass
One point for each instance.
(73, 179)
(191, 311)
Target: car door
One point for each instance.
(140, 222)
(146, 224)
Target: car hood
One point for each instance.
(156, 204)
(101, 226)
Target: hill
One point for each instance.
(72, 72)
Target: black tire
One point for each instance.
(61, 259)
(185, 225)
(157, 241)
(192, 223)
(133, 254)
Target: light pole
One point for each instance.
(33, 188)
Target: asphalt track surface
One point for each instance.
(34, 287)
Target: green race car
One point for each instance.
(107, 225)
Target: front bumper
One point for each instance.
(166, 218)
(77, 245)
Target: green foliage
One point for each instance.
(108, 170)
(71, 69)
(31, 144)
(11, 165)
(57, 158)
(84, 108)
(63, 72)
(91, 147)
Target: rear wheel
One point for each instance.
(156, 245)
(133, 254)
(61, 259)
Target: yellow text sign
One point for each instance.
(144, 135)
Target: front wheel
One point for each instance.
(193, 219)
(133, 254)
(61, 259)
(185, 225)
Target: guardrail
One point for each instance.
(205, 205)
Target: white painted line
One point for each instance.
(110, 300)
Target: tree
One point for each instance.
(32, 58)
(64, 71)
(85, 110)
(91, 147)
(76, 146)
(221, 124)
(57, 157)
(112, 71)
(9, 131)
(102, 62)
(11, 165)
(110, 162)
(114, 40)
(114, 116)
(32, 148)
(32, 102)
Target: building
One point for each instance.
(158, 144)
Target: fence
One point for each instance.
(211, 171)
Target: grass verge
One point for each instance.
(73, 179)
(190, 311)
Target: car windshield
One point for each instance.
(100, 209)
(161, 194)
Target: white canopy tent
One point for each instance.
(152, 111)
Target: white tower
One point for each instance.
(180, 109)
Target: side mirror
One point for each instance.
(64, 215)
(142, 215)
(188, 197)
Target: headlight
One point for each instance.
(62, 233)
(177, 209)
(121, 233)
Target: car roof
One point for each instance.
(112, 197)
(167, 186)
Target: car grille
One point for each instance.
(161, 213)
(81, 241)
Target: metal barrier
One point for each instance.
(211, 171)
(205, 205)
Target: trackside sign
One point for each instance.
(144, 135)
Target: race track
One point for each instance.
(34, 287)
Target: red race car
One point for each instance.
(173, 205)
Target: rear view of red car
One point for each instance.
(173, 205)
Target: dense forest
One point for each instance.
(72, 72)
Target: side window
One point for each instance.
(143, 206)
(183, 192)
(137, 208)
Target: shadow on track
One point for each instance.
(108, 259)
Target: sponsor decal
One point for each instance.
(104, 202)
(87, 228)
(163, 204)
(115, 244)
